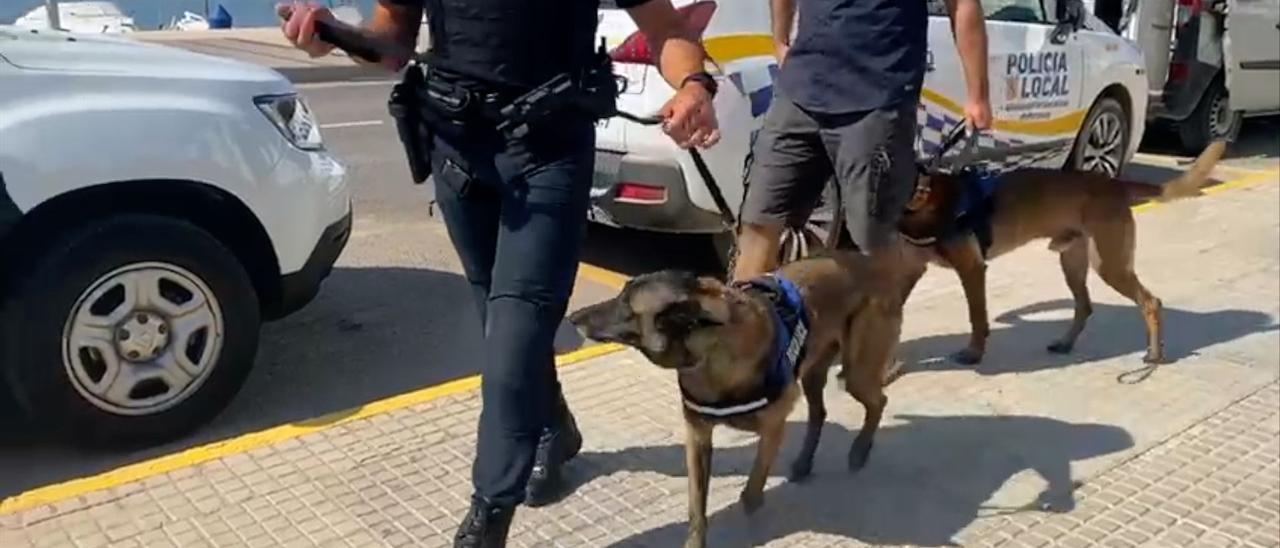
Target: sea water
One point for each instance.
(153, 14)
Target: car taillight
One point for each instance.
(1178, 72)
(1187, 10)
(635, 49)
(636, 193)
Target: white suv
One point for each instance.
(156, 205)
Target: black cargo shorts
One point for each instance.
(870, 153)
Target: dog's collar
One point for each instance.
(791, 325)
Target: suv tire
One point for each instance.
(130, 330)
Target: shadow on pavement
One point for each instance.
(635, 252)
(927, 479)
(372, 333)
(1112, 331)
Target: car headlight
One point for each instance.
(292, 116)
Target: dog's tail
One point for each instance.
(1189, 183)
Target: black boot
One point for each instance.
(485, 526)
(558, 445)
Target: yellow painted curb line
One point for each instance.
(602, 276)
(1257, 177)
(248, 442)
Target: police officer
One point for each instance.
(515, 204)
(845, 106)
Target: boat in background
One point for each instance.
(81, 17)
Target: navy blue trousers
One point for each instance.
(515, 210)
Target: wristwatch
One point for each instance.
(708, 82)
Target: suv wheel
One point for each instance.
(1212, 120)
(131, 330)
(1102, 144)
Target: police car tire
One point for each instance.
(1102, 105)
(1197, 130)
(32, 324)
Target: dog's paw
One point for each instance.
(801, 469)
(967, 357)
(859, 453)
(751, 500)
(695, 541)
(1153, 358)
(1060, 347)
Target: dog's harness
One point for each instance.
(976, 207)
(791, 325)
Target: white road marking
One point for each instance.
(345, 84)
(362, 123)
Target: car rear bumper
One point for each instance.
(675, 212)
(299, 288)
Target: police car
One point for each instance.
(1065, 92)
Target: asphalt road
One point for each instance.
(396, 315)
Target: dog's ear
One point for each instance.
(608, 321)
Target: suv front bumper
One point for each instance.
(299, 288)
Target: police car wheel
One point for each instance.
(128, 331)
(1103, 140)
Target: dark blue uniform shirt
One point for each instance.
(856, 55)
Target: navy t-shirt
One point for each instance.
(856, 55)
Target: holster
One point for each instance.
(407, 107)
(591, 92)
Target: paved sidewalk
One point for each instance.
(1027, 449)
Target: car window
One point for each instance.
(1017, 11)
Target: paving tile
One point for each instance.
(1185, 458)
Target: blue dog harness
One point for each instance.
(791, 325)
(976, 208)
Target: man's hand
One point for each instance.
(780, 50)
(977, 114)
(392, 31)
(299, 26)
(690, 118)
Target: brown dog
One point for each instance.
(1085, 216)
(723, 342)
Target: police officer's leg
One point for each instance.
(542, 226)
(467, 193)
(788, 170)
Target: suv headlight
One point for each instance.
(292, 116)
